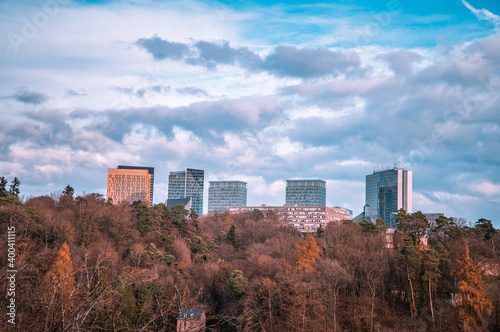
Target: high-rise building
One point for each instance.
(129, 185)
(224, 194)
(188, 183)
(306, 192)
(388, 191)
(151, 172)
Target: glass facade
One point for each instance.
(224, 194)
(306, 192)
(189, 183)
(388, 191)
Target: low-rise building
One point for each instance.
(191, 320)
(306, 219)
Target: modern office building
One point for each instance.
(306, 192)
(224, 194)
(151, 172)
(188, 183)
(186, 202)
(129, 185)
(306, 219)
(388, 191)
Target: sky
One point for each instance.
(257, 91)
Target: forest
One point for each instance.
(85, 264)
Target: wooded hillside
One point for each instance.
(85, 264)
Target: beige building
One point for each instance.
(306, 219)
(129, 185)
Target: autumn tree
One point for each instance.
(474, 302)
(61, 287)
(308, 253)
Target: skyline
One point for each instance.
(258, 92)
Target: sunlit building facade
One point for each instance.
(129, 185)
(306, 219)
(388, 191)
(306, 192)
(224, 194)
(151, 172)
(188, 183)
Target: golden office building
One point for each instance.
(129, 185)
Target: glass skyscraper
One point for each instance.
(388, 191)
(224, 194)
(306, 192)
(188, 183)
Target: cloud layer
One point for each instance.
(259, 94)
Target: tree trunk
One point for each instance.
(430, 296)
(411, 290)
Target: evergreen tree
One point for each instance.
(485, 228)
(3, 187)
(232, 237)
(69, 190)
(14, 187)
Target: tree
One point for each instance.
(3, 187)
(485, 228)
(232, 238)
(14, 187)
(61, 286)
(410, 265)
(237, 283)
(334, 277)
(470, 285)
(308, 253)
(62, 271)
(69, 190)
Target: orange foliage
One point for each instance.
(474, 300)
(61, 272)
(308, 253)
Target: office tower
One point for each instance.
(188, 183)
(306, 192)
(224, 194)
(151, 172)
(129, 185)
(388, 191)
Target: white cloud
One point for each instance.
(485, 188)
(483, 14)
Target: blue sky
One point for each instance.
(256, 91)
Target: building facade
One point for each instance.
(129, 185)
(151, 172)
(306, 192)
(224, 194)
(388, 191)
(189, 183)
(306, 219)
